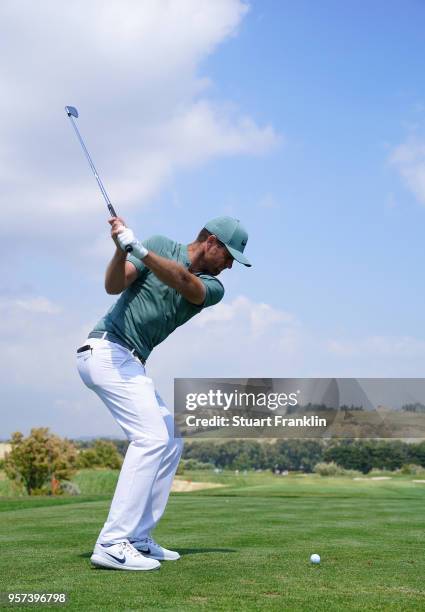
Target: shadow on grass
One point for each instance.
(198, 551)
(183, 551)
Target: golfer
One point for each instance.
(162, 284)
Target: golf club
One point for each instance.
(72, 112)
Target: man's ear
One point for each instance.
(210, 241)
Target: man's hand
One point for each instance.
(117, 225)
(120, 273)
(123, 237)
(126, 238)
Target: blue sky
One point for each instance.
(344, 86)
(305, 120)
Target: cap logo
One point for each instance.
(243, 243)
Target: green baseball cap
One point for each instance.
(232, 234)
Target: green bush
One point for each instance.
(11, 488)
(40, 461)
(376, 472)
(69, 488)
(193, 464)
(103, 454)
(411, 469)
(333, 469)
(98, 481)
(328, 469)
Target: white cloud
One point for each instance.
(201, 131)
(409, 159)
(244, 338)
(37, 342)
(35, 304)
(241, 338)
(256, 317)
(38, 304)
(133, 70)
(38, 377)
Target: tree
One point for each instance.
(296, 455)
(102, 454)
(40, 461)
(364, 455)
(417, 453)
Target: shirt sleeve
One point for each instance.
(214, 290)
(154, 243)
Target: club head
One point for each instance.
(71, 110)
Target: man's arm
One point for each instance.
(177, 277)
(119, 273)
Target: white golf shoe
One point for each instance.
(121, 556)
(149, 548)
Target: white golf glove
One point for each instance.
(126, 238)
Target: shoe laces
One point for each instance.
(129, 548)
(149, 540)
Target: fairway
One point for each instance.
(244, 546)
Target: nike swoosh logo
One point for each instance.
(117, 558)
(145, 552)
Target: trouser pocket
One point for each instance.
(84, 357)
(84, 349)
(102, 363)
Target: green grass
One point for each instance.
(96, 482)
(7, 487)
(245, 546)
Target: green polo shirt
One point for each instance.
(149, 310)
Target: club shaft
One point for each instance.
(92, 166)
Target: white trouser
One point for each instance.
(146, 476)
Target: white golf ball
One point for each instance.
(315, 558)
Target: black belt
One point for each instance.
(113, 338)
